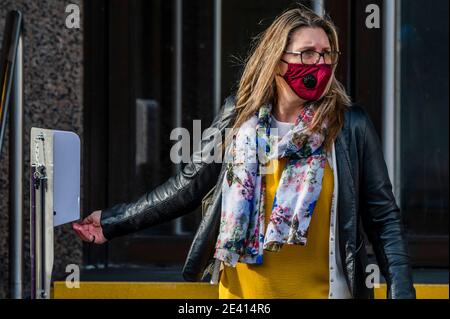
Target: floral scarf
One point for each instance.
(242, 237)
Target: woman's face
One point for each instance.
(305, 38)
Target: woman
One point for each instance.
(288, 221)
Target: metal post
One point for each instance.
(178, 62)
(217, 55)
(396, 174)
(390, 86)
(318, 7)
(16, 165)
(178, 77)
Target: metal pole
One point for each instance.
(178, 76)
(178, 62)
(396, 174)
(16, 165)
(389, 85)
(318, 7)
(217, 55)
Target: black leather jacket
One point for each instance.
(366, 202)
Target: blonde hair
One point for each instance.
(257, 85)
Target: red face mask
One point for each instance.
(308, 81)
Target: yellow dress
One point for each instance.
(295, 271)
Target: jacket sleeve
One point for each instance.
(382, 219)
(180, 194)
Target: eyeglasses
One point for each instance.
(313, 57)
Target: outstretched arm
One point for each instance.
(177, 196)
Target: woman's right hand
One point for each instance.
(90, 229)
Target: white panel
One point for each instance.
(66, 190)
